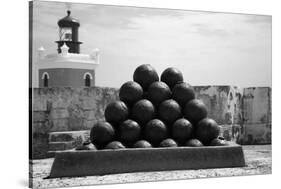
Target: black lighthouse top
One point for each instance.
(68, 21)
(68, 33)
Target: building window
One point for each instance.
(65, 34)
(45, 77)
(87, 78)
(87, 81)
(46, 81)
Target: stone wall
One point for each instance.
(244, 114)
(66, 109)
(257, 115)
(224, 105)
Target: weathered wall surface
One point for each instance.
(257, 115)
(66, 109)
(224, 105)
(244, 114)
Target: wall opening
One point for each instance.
(87, 78)
(87, 81)
(46, 81)
(45, 78)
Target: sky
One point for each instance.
(209, 48)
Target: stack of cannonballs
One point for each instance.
(153, 113)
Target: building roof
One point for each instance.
(69, 60)
(68, 21)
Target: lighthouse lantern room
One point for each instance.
(67, 67)
(68, 33)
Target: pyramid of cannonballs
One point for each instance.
(155, 112)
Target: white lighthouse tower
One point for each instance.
(67, 67)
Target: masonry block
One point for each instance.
(39, 116)
(59, 113)
(41, 127)
(60, 137)
(55, 146)
(60, 103)
(59, 125)
(257, 105)
(69, 136)
(237, 135)
(226, 132)
(257, 133)
(90, 115)
(231, 132)
(39, 103)
(76, 118)
(40, 145)
(60, 141)
(88, 103)
(88, 124)
(221, 102)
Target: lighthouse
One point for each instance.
(68, 33)
(67, 67)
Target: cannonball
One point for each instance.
(195, 110)
(219, 142)
(143, 111)
(158, 92)
(114, 145)
(116, 112)
(130, 92)
(183, 93)
(155, 131)
(182, 130)
(142, 144)
(129, 131)
(145, 75)
(168, 143)
(86, 146)
(171, 76)
(101, 133)
(206, 130)
(194, 143)
(169, 111)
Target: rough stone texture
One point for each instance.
(257, 133)
(221, 102)
(244, 114)
(257, 115)
(66, 109)
(69, 136)
(40, 116)
(56, 146)
(40, 145)
(224, 104)
(258, 161)
(60, 141)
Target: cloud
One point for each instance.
(206, 30)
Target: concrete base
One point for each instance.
(90, 163)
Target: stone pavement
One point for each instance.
(258, 160)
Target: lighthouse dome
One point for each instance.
(68, 21)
